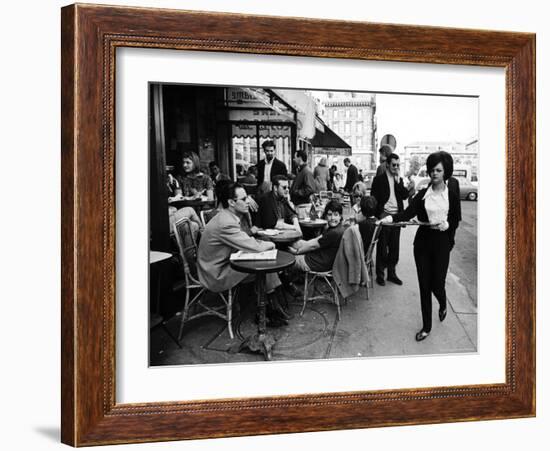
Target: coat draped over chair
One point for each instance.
(350, 269)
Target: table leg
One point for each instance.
(262, 341)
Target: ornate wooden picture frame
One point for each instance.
(90, 37)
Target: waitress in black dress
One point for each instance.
(440, 207)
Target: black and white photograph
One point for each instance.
(293, 224)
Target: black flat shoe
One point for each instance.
(422, 335)
(442, 314)
(380, 281)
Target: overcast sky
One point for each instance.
(414, 117)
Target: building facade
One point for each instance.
(352, 116)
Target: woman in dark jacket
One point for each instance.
(432, 244)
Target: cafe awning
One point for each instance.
(326, 142)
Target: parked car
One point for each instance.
(468, 191)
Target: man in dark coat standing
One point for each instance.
(352, 176)
(389, 191)
(304, 183)
(270, 166)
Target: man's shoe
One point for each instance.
(275, 309)
(293, 290)
(394, 279)
(442, 314)
(380, 281)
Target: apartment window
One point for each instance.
(348, 114)
(335, 114)
(359, 128)
(347, 127)
(359, 142)
(359, 114)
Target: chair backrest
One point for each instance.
(346, 200)
(207, 215)
(187, 247)
(372, 245)
(250, 188)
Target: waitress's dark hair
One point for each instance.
(446, 161)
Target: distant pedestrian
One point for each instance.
(321, 175)
(304, 183)
(338, 182)
(352, 176)
(332, 172)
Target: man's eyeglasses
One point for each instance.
(395, 165)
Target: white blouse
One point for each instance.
(437, 206)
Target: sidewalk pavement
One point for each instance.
(384, 325)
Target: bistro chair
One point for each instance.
(194, 306)
(250, 188)
(326, 276)
(346, 200)
(369, 257)
(207, 215)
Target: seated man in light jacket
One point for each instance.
(223, 236)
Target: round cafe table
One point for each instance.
(282, 239)
(262, 341)
(312, 228)
(156, 319)
(198, 204)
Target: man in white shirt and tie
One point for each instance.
(389, 191)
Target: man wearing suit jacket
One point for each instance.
(389, 191)
(304, 184)
(223, 236)
(270, 166)
(274, 208)
(352, 176)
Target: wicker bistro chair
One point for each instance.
(207, 215)
(194, 289)
(326, 276)
(369, 257)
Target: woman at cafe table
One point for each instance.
(192, 181)
(439, 206)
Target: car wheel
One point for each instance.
(472, 196)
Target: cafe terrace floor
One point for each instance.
(384, 325)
